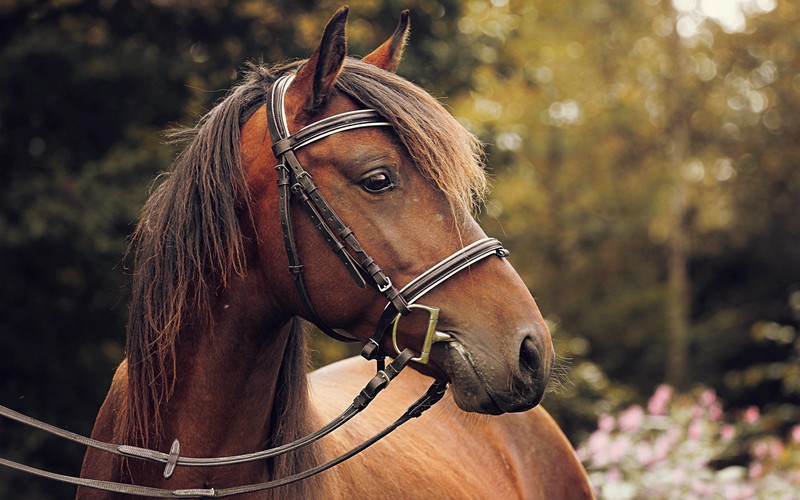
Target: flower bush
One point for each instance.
(684, 446)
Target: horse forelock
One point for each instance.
(442, 149)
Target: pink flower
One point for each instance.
(715, 412)
(756, 470)
(709, 401)
(708, 397)
(661, 448)
(702, 489)
(658, 402)
(679, 475)
(673, 435)
(695, 430)
(644, 454)
(738, 492)
(605, 423)
(796, 433)
(727, 432)
(751, 414)
(619, 449)
(761, 449)
(748, 492)
(631, 420)
(597, 448)
(775, 448)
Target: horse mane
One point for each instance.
(186, 246)
(188, 243)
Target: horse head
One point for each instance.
(406, 187)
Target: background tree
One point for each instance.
(643, 156)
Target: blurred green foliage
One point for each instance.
(615, 129)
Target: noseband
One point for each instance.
(295, 181)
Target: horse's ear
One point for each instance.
(314, 81)
(388, 55)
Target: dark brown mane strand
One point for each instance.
(187, 244)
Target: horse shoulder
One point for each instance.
(537, 448)
(446, 453)
(98, 464)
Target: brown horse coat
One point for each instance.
(514, 455)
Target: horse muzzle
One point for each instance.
(482, 383)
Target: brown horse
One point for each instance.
(217, 358)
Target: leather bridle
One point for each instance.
(295, 181)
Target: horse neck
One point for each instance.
(225, 386)
(240, 387)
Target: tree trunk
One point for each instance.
(678, 289)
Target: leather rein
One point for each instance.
(294, 181)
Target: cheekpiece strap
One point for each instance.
(294, 180)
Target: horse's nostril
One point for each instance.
(528, 358)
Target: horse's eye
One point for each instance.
(378, 182)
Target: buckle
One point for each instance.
(387, 284)
(431, 335)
